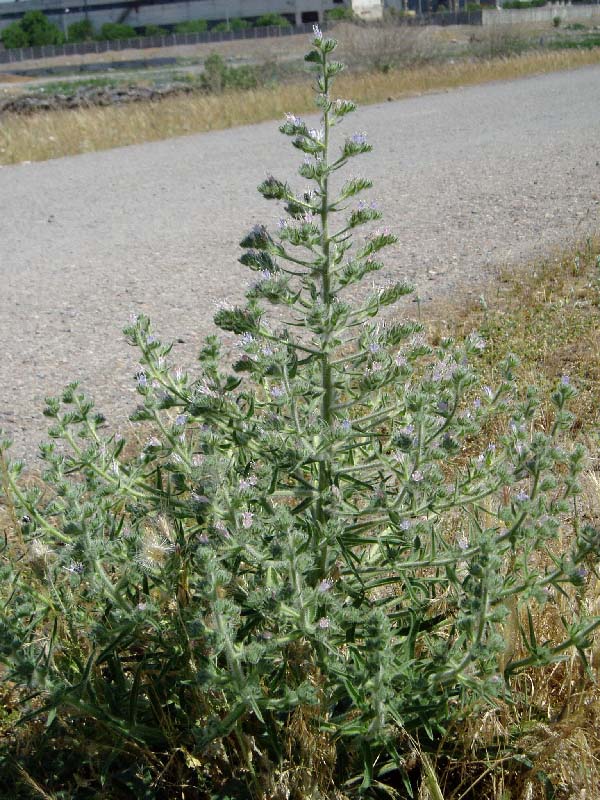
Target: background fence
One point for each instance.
(169, 40)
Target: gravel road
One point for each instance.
(470, 180)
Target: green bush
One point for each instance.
(81, 31)
(341, 13)
(272, 20)
(40, 30)
(14, 36)
(524, 3)
(192, 26)
(307, 575)
(217, 76)
(112, 31)
(155, 30)
(235, 24)
(33, 30)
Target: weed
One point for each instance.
(314, 573)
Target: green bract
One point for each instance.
(310, 547)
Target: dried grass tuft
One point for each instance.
(63, 133)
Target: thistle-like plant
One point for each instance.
(312, 546)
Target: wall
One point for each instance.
(566, 12)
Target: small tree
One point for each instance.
(14, 36)
(82, 31)
(39, 30)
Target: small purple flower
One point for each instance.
(200, 499)
(476, 341)
(180, 420)
(220, 526)
(318, 33)
(463, 543)
(153, 442)
(405, 525)
(346, 425)
(292, 119)
(141, 607)
(477, 403)
(324, 623)
(150, 339)
(400, 360)
(141, 378)
(359, 138)
(374, 347)
(75, 568)
(276, 392)
(247, 519)
(522, 496)
(325, 585)
(581, 572)
(203, 539)
(417, 476)
(565, 380)
(488, 392)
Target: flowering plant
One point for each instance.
(311, 547)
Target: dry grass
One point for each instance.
(546, 744)
(62, 133)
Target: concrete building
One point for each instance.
(165, 13)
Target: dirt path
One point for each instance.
(469, 180)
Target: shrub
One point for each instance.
(192, 26)
(217, 76)
(524, 3)
(556, 21)
(112, 31)
(33, 30)
(155, 30)
(82, 31)
(14, 36)
(341, 13)
(235, 24)
(313, 563)
(272, 20)
(40, 30)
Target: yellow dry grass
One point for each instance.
(62, 133)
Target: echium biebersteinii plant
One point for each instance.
(313, 542)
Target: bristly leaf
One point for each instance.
(354, 186)
(239, 320)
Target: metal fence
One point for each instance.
(143, 42)
(169, 40)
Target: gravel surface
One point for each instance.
(470, 180)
